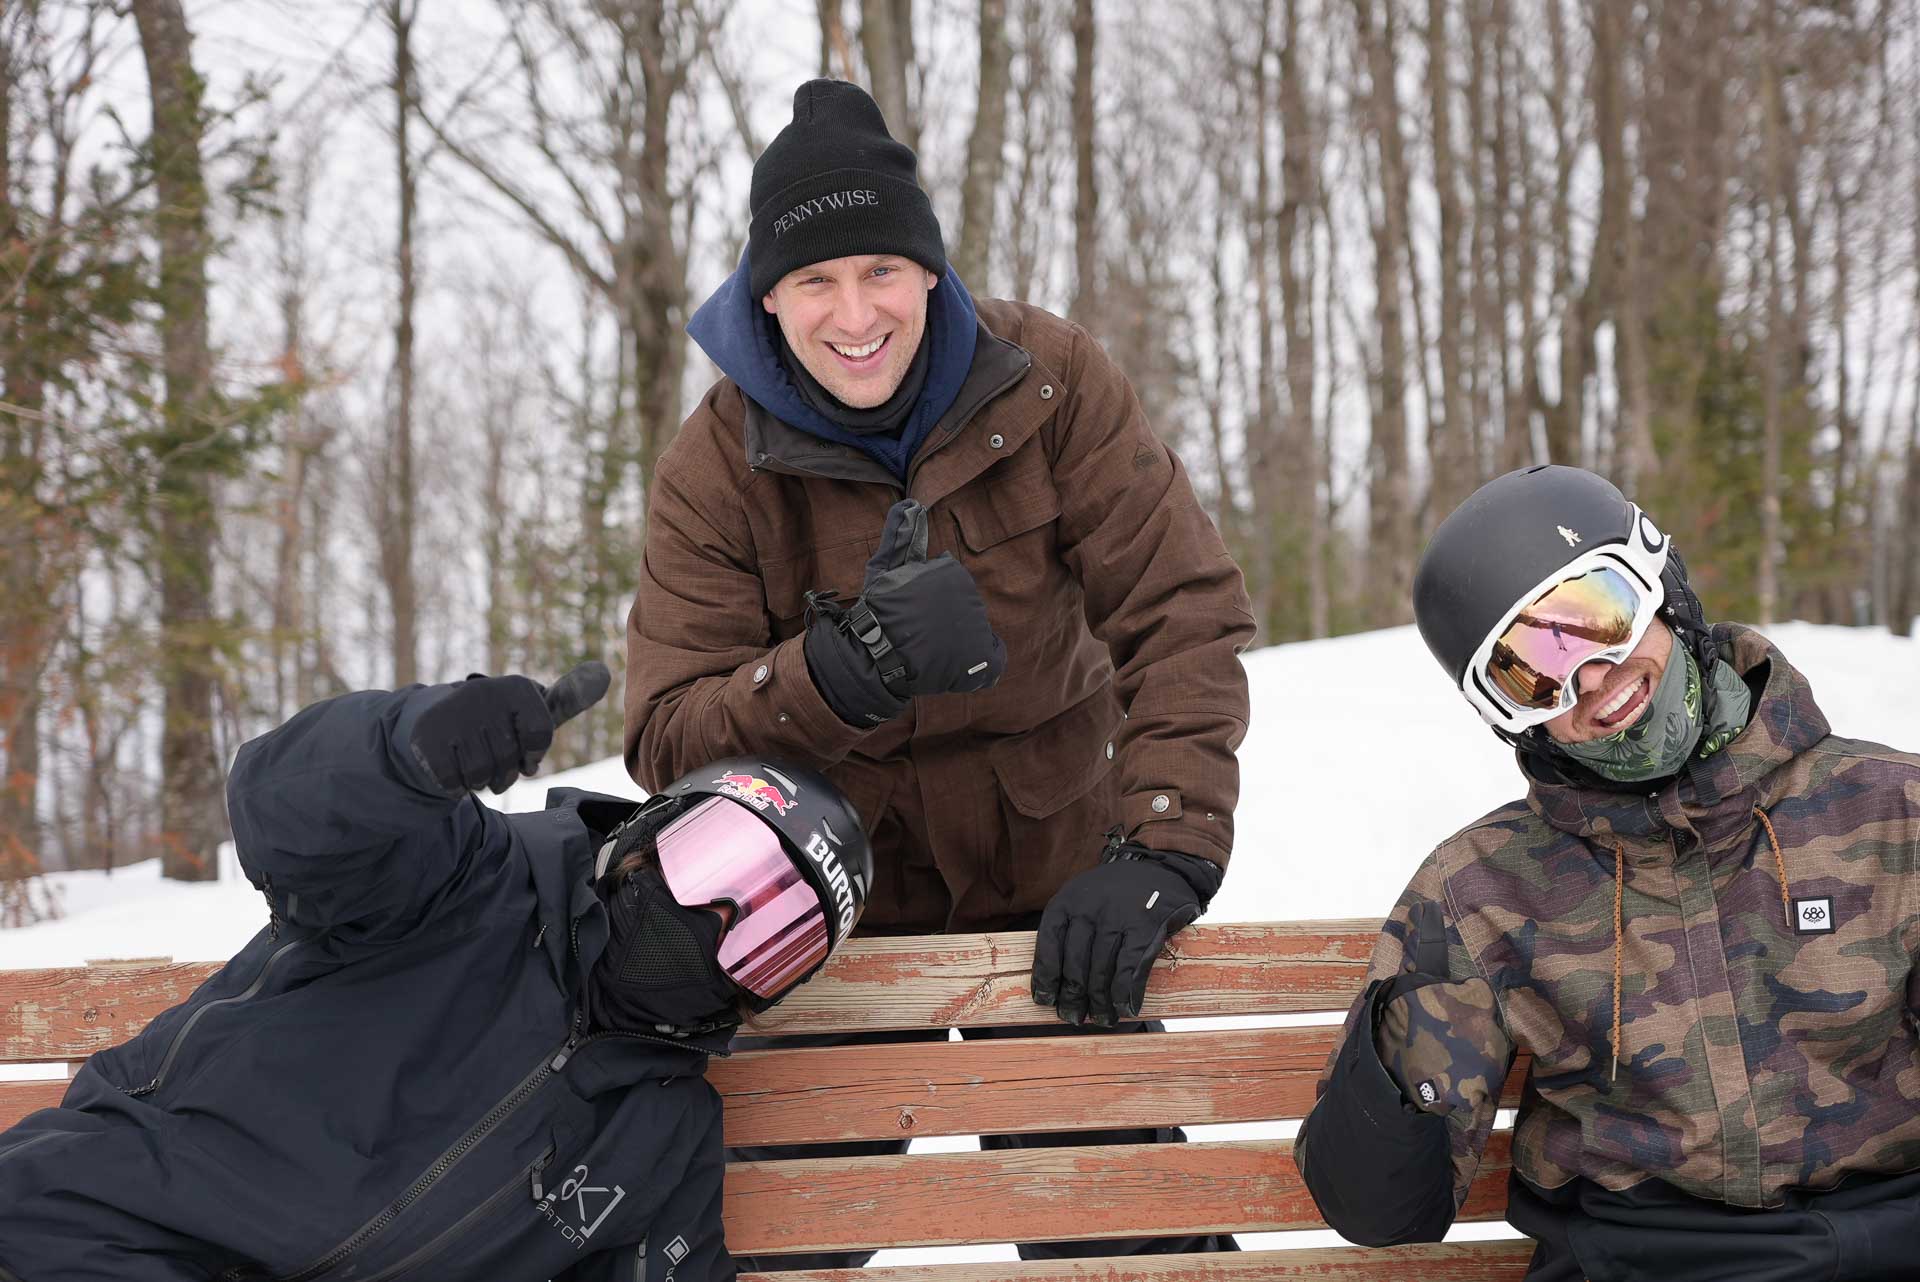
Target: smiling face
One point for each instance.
(855, 323)
(1615, 695)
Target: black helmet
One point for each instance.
(818, 825)
(1515, 534)
(704, 833)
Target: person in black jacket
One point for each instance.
(468, 1045)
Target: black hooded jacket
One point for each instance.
(393, 1082)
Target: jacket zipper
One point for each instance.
(179, 1038)
(529, 1172)
(529, 1085)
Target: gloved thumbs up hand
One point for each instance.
(488, 731)
(585, 685)
(903, 542)
(919, 628)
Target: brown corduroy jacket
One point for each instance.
(1122, 613)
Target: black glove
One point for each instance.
(488, 731)
(1102, 930)
(919, 627)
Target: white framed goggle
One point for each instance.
(1595, 608)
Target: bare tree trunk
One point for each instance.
(1905, 572)
(192, 818)
(1266, 446)
(1614, 283)
(1766, 580)
(1483, 444)
(1300, 149)
(1032, 193)
(836, 54)
(25, 640)
(1389, 495)
(397, 534)
(980, 194)
(886, 38)
(1516, 443)
(1086, 205)
(1565, 420)
(1449, 440)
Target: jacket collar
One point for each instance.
(1712, 799)
(570, 907)
(571, 910)
(998, 366)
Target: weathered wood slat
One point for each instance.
(1440, 1262)
(17, 1099)
(918, 982)
(72, 1012)
(914, 982)
(1025, 1084)
(995, 1088)
(1038, 1195)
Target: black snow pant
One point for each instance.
(864, 1148)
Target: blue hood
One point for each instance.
(733, 329)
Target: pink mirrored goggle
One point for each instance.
(721, 853)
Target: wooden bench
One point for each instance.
(783, 1096)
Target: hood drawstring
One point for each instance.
(1619, 899)
(1779, 862)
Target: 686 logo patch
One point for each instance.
(1813, 916)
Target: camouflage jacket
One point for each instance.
(1767, 912)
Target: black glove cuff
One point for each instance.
(1203, 875)
(844, 674)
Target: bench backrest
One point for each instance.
(782, 1096)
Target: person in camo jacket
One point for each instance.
(1701, 923)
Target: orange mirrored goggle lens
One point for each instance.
(1561, 629)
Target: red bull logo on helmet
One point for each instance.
(755, 791)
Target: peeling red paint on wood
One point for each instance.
(1445, 1262)
(1025, 1085)
(908, 982)
(1037, 1195)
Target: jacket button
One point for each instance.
(1160, 804)
(760, 674)
(996, 440)
(1046, 392)
(1109, 752)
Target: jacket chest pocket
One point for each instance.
(837, 567)
(1006, 522)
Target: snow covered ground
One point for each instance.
(1358, 761)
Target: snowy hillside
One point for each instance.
(1359, 759)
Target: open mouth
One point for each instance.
(861, 356)
(1624, 704)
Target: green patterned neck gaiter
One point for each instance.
(1683, 712)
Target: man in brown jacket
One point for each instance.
(936, 550)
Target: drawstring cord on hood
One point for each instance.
(1619, 917)
(1779, 862)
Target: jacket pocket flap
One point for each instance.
(1058, 762)
(993, 514)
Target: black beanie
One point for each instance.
(834, 183)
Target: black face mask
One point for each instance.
(660, 972)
